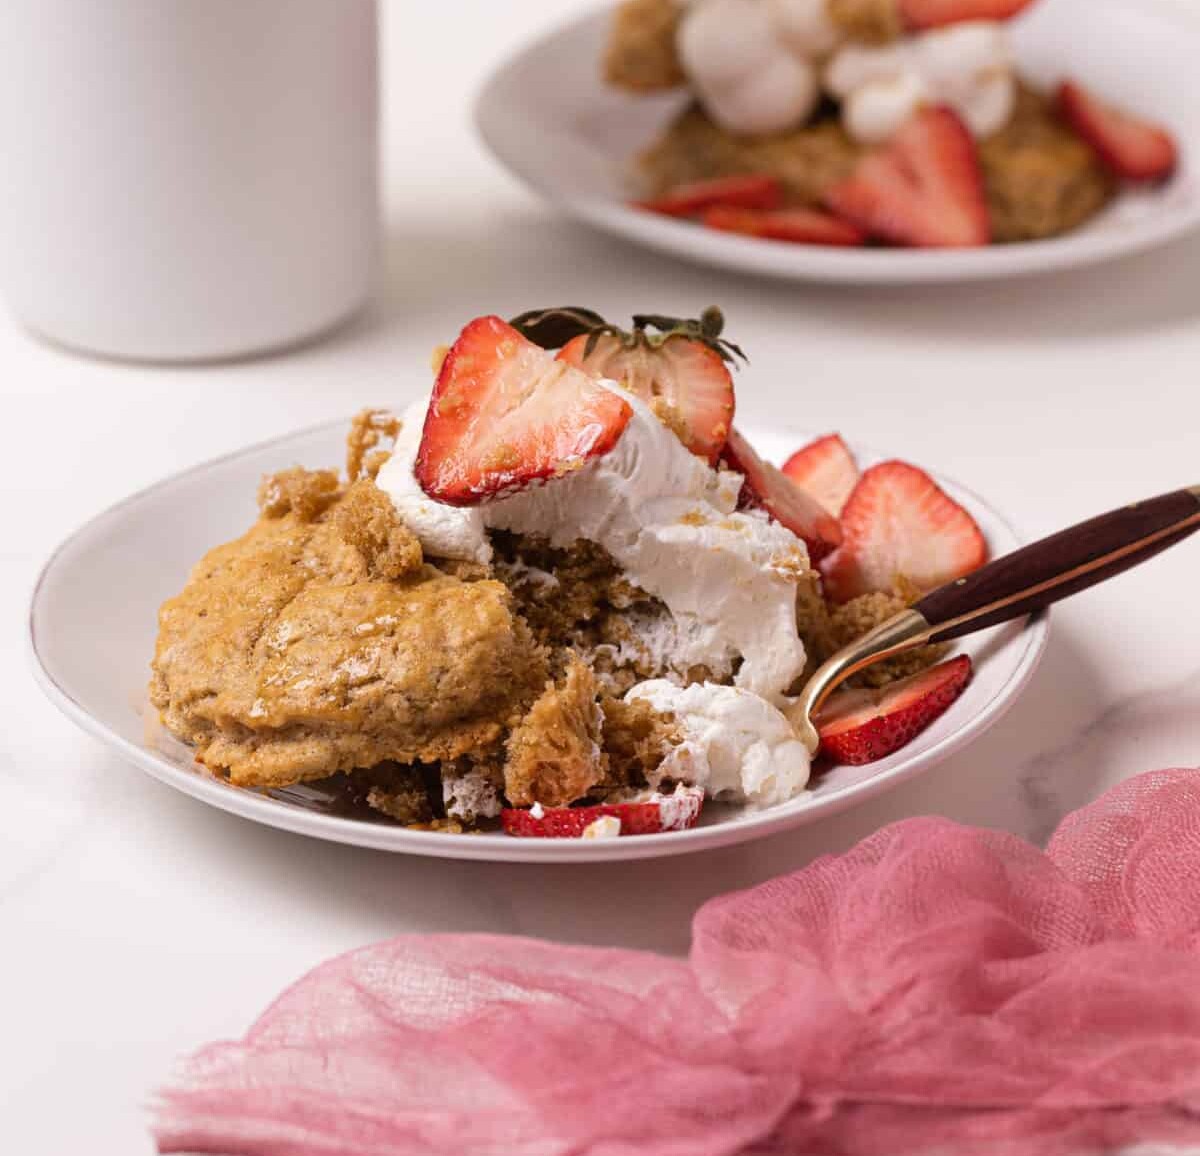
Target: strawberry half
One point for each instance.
(688, 376)
(920, 14)
(505, 413)
(858, 727)
(799, 226)
(924, 188)
(755, 191)
(1132, 148)
(766, 488)
(826, 469)
(674, 812)
(899, 524)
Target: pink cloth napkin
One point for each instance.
(937, 990)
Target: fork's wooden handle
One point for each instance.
(1061, 565)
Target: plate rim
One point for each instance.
(816, 264)
(255, 806)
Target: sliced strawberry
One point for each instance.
(826, 469)
(755, 191)
(919, 14)
(1134, 149)
(687, 380)
(674, 812)
(924, 188)
(766, 488)
(505, 413)
(898, 524)
(800, 226)
(860, 726)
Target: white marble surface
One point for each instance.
(137, 924)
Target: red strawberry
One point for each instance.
(918, 14)
(899, 524)
(505, 413)
(801, 226)
(826, 469)
(924, 188)
(690, 377)
(858, 726)
(756, 191)
(1134, 149)
(675, 812)
(766, 488)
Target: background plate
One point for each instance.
(548, 117)
(93, 619)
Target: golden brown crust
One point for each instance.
(554, 753)
(871, 21)
(1042, 179)
(307, 647)
(641, 54)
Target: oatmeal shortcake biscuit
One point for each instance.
(1040, 179)
(320, 641)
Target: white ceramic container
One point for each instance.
(187, 179)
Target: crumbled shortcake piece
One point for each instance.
(554, 753)
(641, 53)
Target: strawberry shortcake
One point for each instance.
(561, 595)
(852, 122)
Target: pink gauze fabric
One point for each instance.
(937, 990)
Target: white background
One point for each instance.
(136, 924)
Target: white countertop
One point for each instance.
(138, 923)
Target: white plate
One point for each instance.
(93, 619)
(548, 117)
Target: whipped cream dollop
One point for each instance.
(966, 66)
(728, 578)
(752, 61)
(737, 746)
(443, 531)
(759, 67)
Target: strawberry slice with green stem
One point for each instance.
(505, 414)
(678, 367)
(924, 188)
(766, 488)
(1132, 148)
(826, 469)
(750, 191)
(863, 726)
(900, 526)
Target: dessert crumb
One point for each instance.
(606, 827)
